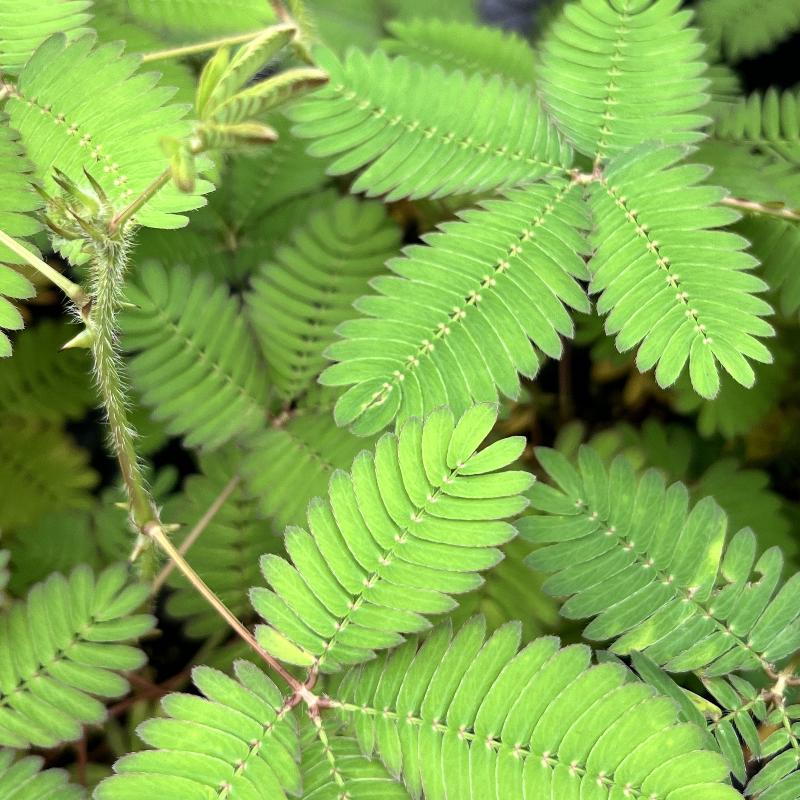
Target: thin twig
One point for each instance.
(150, 691)
(565, 405)
(198, 529)
(70, 289)
(199, 47)
(120, 219)
(751, 207)
(155, 532)
(81, 760)
(281, 12)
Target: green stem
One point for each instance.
(70, 289)
(199, 47)
(120, 219)
(108, 273)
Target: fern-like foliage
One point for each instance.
(755, 149)
(261, 181)
(745, 494)
(181, 19)
(742, 707)
(43, 381)
(41, 467)
(659, 577)
(756, 738)
(745, 28)
(596, 68)
(18, 202)
(237, 740)
(334, 766)
(768, 123)
(419, 144)
(79, 107)
(459, 716)
(298, 298)
(459, 46)
(195, 361)
(776, 244)
(458, 319)
(749, 500)
(226, 553)
(670, 280)
(25, 24)
(277, 187)
(112, 23)
(291, 461)
(24, 779)
(455, 10)
(62, 649)
(410, 525)
(737, 410)
(511, 591)
(58, 541)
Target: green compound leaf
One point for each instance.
(336, 767)
(237, 739)
(668, 279)
(41, 468)
(745, 28)
(24, 779)
(410, 525)
(63, 648)
(469, 48)
(656, 575)
(308, 288)
(459, 716)
(43, 381)
(596, 74)
(79, 107)
(195, 364)
(290, 462)
(25, 24)
(226, 554)
(459, 319)
(417, 143)
(18, 204)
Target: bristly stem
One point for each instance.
(107, 277)
(155, 531)
(199, 47)
(70, 289)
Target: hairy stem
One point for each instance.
(70, 289)
(108, 273)
(155, 531)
